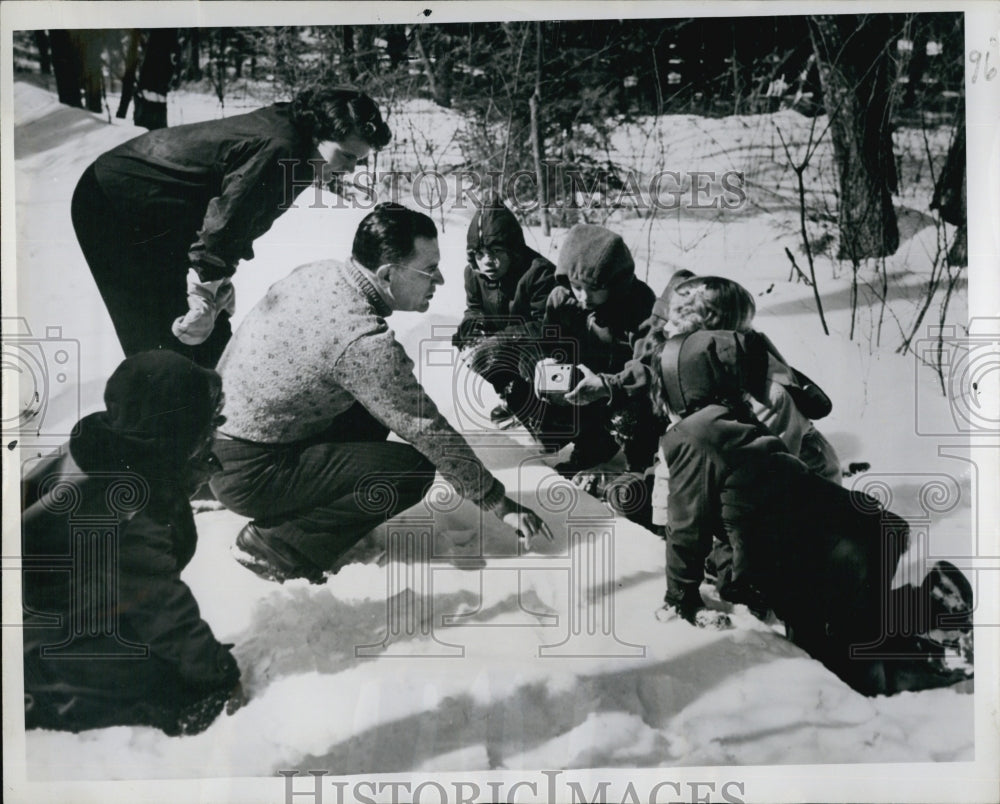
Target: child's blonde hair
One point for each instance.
(709, 302)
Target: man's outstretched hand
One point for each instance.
(525, 521)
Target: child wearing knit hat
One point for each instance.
(598, 307)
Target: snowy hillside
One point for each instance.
(484, 658)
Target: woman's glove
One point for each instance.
(205, 301)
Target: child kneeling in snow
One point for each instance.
(121, 642)
(507, 285)
(783, 404)
(597, 308)
(689, 304)
(822, 557)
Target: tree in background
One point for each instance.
(585, 76)
(950, 193)
(855, 70)
(76, 61)
(157, 71)
(190, 56)
(131, 64)
(44, 52)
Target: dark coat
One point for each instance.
(821, 556)
(825, 558)
(516, 298)
(604, 337)
(717, 463)
(128, 645)
(205, 191)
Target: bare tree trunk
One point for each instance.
(950, 194)
(67, 68)
(90, 44)
(217, 71)
(128, 74)
(396, 46)
(367, 57)
(851, 51)
(154, 79)
(44, 53)
(349, 54)
(739, 85)
(537, 141)
(425, 62)
(918, 60)
(76, 59)
(438, 72)
(192, 58)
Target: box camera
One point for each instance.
(556, 378)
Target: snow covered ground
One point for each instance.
(484, 658)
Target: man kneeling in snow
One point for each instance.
(121, 642)
(822, 557)
(315, 381)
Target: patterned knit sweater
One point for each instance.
(316, 343)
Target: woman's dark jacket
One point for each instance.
(210, 189)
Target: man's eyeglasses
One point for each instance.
(435, 274)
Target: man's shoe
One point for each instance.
(272, 559)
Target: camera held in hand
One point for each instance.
(556, 379)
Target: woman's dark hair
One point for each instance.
(335, 113)
(387, 234)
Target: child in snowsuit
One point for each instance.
(718, 303)
(115, 637)
(822, 557)
(694, 303)
(712, 302)
(716, 453)
(597, 308)
(506, 287)
(634, 425)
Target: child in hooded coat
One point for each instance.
(687, 304)
(122, 641)
(822, 557)
(506, 288)
(598, 308)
